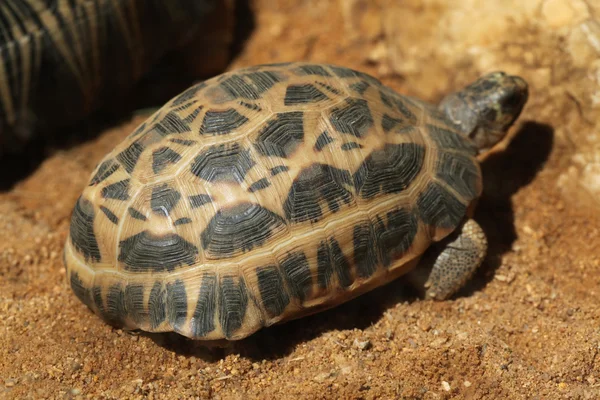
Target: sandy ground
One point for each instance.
(527, 327)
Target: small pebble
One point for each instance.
(322, 376)
(362, 344)
(467, 383)
(446, 386)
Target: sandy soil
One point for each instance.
(528, 326)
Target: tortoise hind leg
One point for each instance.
(455, 264)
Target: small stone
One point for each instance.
(446, 386)
(438, 342)
(424, 325)
(9, 383)
(75, 366)
(75, 391)
(362, 344)
(467, 383)
(322, 376)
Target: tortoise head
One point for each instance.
(484, 110)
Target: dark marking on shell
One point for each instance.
(460, 173)
(189, 94)
(447, 139)
(186, 106)
(136, 214)
(395, 102)
(233, 301)
(134, 302)
(162, 157)
(173, 124)
(106, 169)
(80, 290)
(117, 191)
(130, 156)
(350, 146)
(198, 200)
(116, 310)
(281, 135)
(344, 72)
(183, 142)
(311, 69)
(164, 199)
(156, 305)
(139, 129)
(97, 297)
(438, 207)
(404, 110)
(272, 291)
(388, 123)
(330, 261)
(296, 272)
(395, 235)
(354, 118)
(249, 86)
(182, 221)
(279, 169)
(109, 214)
(203, 320)
(329, 88)
(316, 185)
(389, 170)
(303, 94)
(323, 140)
(360, 87)
(82, 233)
(250, 106)
(223, 163)
(239, 228)
(260, 184)
(177, 304)
(341, 266)
(145, 252)
(386, 99)
(365, 252)
(217, 122)
(281, 64)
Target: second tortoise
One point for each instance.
(276, 191)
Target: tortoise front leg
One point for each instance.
(463, 253)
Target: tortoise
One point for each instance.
(61, 60)
(276, 191)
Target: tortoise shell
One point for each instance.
(265, 194)
(57, 58)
